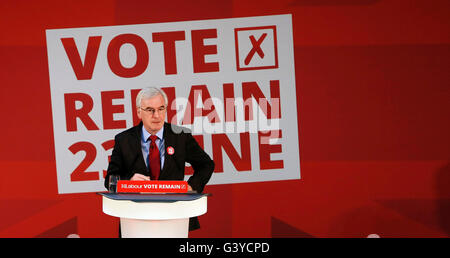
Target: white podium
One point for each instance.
(154, 216)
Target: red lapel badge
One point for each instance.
(170, 150)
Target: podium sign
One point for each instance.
(126, 186)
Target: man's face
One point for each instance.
(152, 113)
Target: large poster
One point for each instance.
(230, 81)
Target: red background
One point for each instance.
(373, 101)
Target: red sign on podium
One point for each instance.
(127, 186)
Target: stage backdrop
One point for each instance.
(324, 118)
(222, 102)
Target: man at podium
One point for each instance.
(156, 150)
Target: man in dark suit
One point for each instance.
(156, 150)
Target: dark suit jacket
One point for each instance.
(127, 159)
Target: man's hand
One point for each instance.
(140, 177)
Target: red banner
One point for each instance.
(126, 186)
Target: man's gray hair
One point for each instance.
(150, 92)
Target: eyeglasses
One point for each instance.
(152, 111)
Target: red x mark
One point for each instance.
(256, 48)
